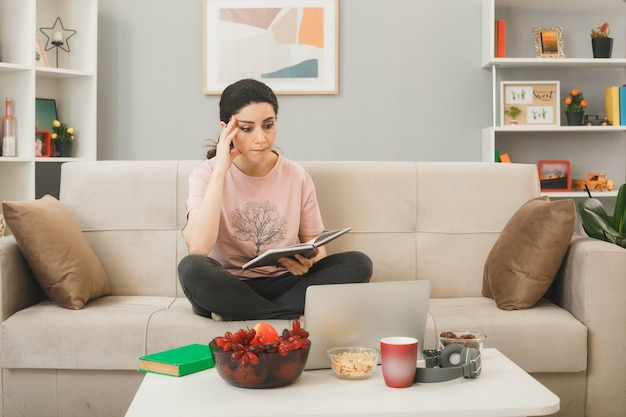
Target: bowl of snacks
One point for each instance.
(471, 339)
(261, 359)
(353, 362)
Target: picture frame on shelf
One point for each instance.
(549, 42)
(554, 175)
(45, 113)
(293, 48)
(41, 59)
(530, 103)
(42, 143)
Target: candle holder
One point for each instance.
(57, 38)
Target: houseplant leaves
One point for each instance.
(598, 224)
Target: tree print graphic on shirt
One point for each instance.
(260, 223)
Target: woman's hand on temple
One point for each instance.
(225, 154)
(203, 222)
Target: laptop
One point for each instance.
(362, 314)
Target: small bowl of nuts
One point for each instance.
(474, 340)
(353, 362)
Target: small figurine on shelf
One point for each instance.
(595, 120)
(595, 181)
(63, 138)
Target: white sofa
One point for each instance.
(430, 220)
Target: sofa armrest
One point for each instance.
(591, 285)
(18, 287)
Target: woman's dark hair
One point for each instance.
(241, 94)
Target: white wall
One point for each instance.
(411, 84)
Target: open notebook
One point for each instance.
(306, 249)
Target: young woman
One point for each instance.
(244, 199)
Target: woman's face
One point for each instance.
(257, 131)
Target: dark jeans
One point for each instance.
(210, 288)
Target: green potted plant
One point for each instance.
(598, 224)
(63, 138)
(601, 42)
(513, 111)
(575, 109)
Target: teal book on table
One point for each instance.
(179, 361)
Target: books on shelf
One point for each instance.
(500, 46)
(270, 257)
(622, 105)
(179, 361)
(612, 105)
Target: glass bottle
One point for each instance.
(8, 130)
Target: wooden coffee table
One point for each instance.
(503, 389)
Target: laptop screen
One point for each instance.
(362, 314)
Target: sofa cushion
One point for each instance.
(56, 251)
(534, 339)
(165, 330)
(526, 257)
(86, 339)
(109, 333)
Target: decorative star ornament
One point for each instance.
(52, 42)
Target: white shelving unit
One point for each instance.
(589, 149)
(73, 85)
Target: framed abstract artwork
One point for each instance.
(290, 46)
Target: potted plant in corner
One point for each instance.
(601, 43)
(575, 110)
(63, 138)
(513, 111)
(598, 224)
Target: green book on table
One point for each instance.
(179, 361)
